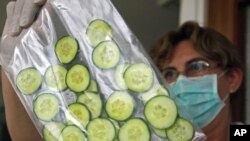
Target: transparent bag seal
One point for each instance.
(102, 65)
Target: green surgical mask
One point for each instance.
(198, 98)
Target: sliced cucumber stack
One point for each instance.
(66, 49)
(106, 55)
(93, 102)
(182, 130)
(161, 112)
(83, 118)
(28, 80)
(78, 113)
(139, 77)
(119, 76)
(52, 130)
(98, 31)
(78, 78)
(134, 129)
(55, 77)
(120, 105)
(46, 106)
(101, 129)
(72, 133)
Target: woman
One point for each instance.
(193, 59)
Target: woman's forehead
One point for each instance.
(183, 53)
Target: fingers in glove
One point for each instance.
(28, 14)
(15, 18)
(39, 2)
(9, 10)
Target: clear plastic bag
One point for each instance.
(80, 71)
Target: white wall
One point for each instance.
(195, 10)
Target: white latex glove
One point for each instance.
(24, 12)
(9, 42)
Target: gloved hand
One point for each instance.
(24, 12)
(10, 42)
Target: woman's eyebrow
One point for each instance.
(168, 67)
(195, 59)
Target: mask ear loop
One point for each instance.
(225, 98)
(219, 76)
(222, 73)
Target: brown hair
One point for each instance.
(209, 43)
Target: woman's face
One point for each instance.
(186, 60)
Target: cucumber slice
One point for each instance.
(55, 77)
(134, 130)
(78, 78)
(98, 31)
(116, 125)
(72, 133)
(160, 132)
(182, 130)
(78, 113)
(28, 80)
(51, 131)
(161, 90)
(101, 129)
(93, 86)
(119, 76)
(106, 55)
(139, 77)
(93, 102)
(46, 106)
(120, 105)
(161, 112)
(156, 90)
(66, 49)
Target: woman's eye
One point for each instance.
(170, 74)
(198, 66)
